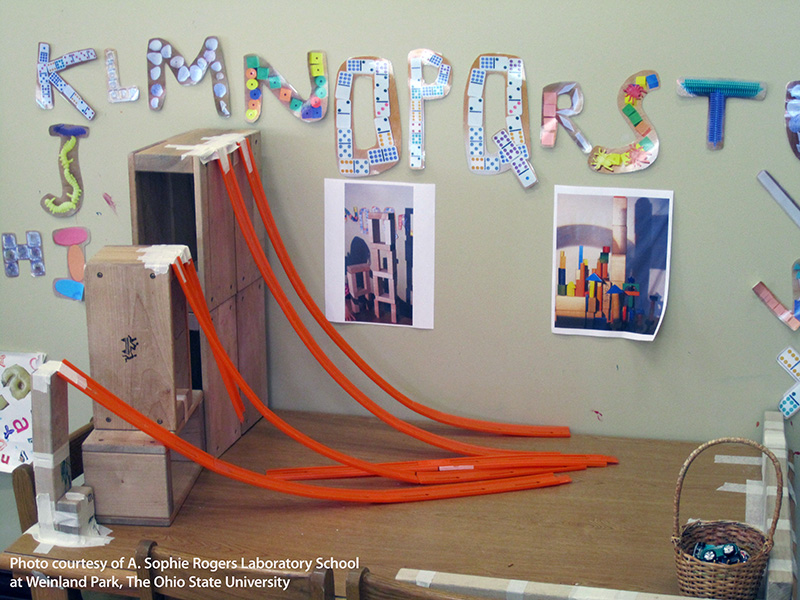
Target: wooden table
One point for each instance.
(609, 528)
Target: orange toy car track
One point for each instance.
(280, 250)
(99, 394)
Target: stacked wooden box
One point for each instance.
(179, 199)
(139, 349)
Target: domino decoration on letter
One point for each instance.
(642, 152)
(514, 150)
(420, 92)
(552, 116)
(789, 359)
(48, 78)
(358, 162)
(117, 93)
(161, 54)
(259, 74)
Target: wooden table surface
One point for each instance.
(609, 528)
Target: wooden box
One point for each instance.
(137, 321)
(138, 336)
(183, 200)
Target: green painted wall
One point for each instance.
(712, 369)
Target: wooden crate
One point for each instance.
(177, 200)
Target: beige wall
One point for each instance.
(712, 369)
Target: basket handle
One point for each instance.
(730, 440)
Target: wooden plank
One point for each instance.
(162, 157)
(133, 190)
(118, 441)
(222, 424)
(246, 269)
(216, 229)
(53, 480)
(49, 412)
(181, 352)
(251, 320)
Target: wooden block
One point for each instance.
(136, 480)
(358, 280)
(575, 304)
(130, 487)
(194, 431)
(616, 269)
(50, 412)
(139, 339)
(75, 512)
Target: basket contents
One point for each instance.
(724, 554)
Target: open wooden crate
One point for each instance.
(182, 200)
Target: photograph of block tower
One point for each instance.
(611, 252)
(379, 254)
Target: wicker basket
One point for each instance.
(712, 580)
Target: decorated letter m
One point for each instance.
(161, 54)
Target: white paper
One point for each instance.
(347, 204)
(636, 227)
